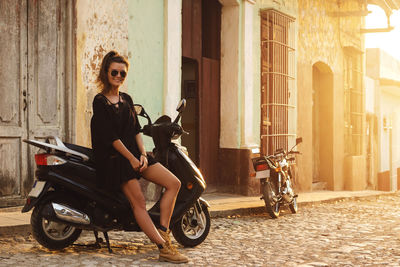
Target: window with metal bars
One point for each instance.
(353, 102)
(277, 81)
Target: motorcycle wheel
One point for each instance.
(272, 205)
(50, 234)
(293, 205)
(190, 230)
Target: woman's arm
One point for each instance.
(121, 148)
(139, 142)
(142, 149)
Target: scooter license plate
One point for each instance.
(37, 188)
(262, 174)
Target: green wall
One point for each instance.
(146, 57)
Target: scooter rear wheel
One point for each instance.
(193, 228)
(50, 234)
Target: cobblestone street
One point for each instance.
(348, 233)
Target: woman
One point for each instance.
(121, 156)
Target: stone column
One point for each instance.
(230, 32)
(236, 135)
(247, 90)
(172, 55)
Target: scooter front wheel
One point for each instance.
(193, 228)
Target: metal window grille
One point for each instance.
(353, 103)
(277, 80)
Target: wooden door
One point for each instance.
(201, 24)
(209, 119)
(13, 88)
(46, 68)
(32, 98)
(46, 58)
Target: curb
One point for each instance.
(13, 230)
(261, 209)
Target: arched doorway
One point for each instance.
(322, 126)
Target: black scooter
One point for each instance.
(66, 198)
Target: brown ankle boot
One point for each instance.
(165, 235)
(169, 252)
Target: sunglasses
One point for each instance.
(115, 73)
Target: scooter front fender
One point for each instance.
(205, 202)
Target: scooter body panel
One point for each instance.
(192, 186)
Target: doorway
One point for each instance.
(33, 89)
(190, 117)
(322, 130)
(201, 46)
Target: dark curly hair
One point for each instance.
(102, 79)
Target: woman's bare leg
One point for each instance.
(158, 174)
(135, 196)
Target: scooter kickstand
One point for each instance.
(98, 240)
(107, 241)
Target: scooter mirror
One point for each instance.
(299, 140)
(181, 105)
(141, 112)
(138, 109)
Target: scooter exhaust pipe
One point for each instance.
(69, 214)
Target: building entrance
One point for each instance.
(322, 126)
(201, 45)
(33, 91)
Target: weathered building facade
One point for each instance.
(256, 74)
(37, 69)
(56, 47)
(330, 101)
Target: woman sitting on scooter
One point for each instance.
(121, 156)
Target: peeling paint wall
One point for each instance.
(99, 29)
(324, 32)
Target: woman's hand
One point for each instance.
(143, 162)
(135, 163)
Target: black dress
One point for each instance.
(112, 121)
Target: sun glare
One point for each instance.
(389, 41)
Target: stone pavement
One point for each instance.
(359, 231)
(12, 221)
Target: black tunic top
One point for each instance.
(112, 121)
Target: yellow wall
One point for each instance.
(322, 36)
(99, 29)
